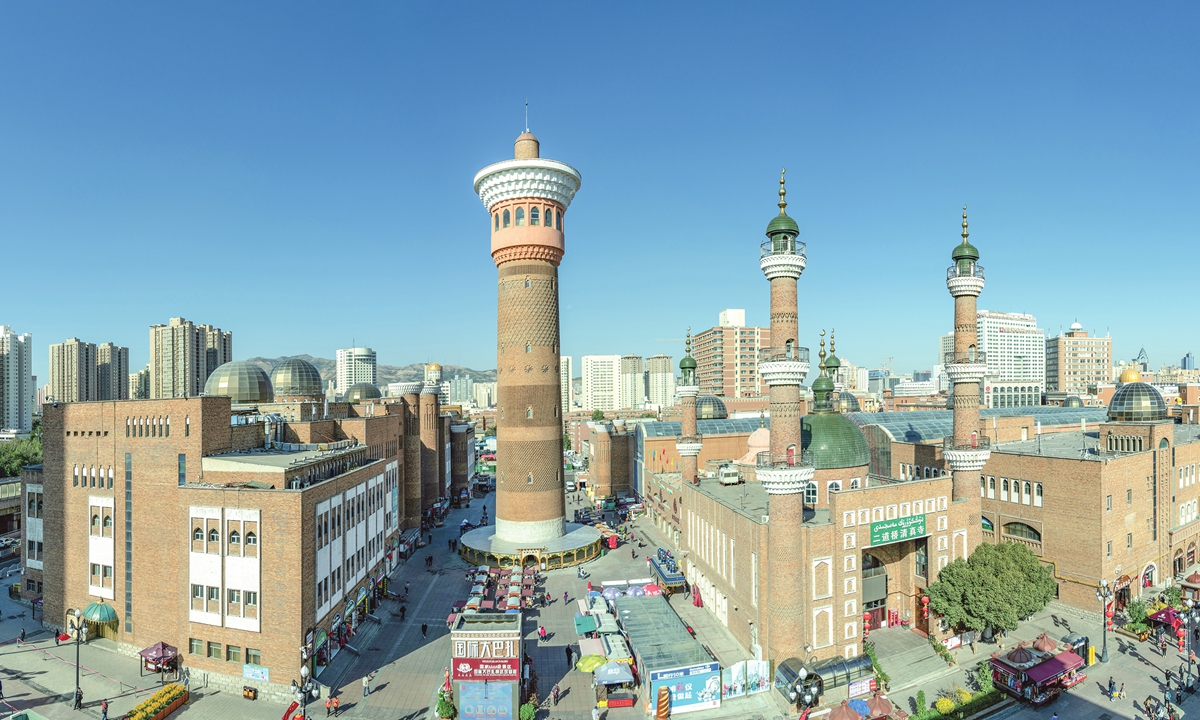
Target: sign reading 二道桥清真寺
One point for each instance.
(897, 530)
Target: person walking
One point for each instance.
(1112, 686)
(564, 596)
(570, 656)
(337, 705)
(595, 713)
(78, 699)
(1121, 692)
(104, 709)
(366, 684)
(22, 634)
(328, 706)
(405, 589)
(424, 629)
(554, 692)
(1054, 716)
(403, 610)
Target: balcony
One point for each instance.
(968, 455)
(783, 366)
(781, 246)
(787, 474)
(690, 439)
(793, 354)
(782, 257)
(765, 460)
(964, 278)
(959, 358)
(969, 269)
(979, 443)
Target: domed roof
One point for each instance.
(687, 363)
(710, 407)
(1020, 655)
(1137, 402)
(296, 377)
(1073, 402)
(759, 440)
(834, 440)
(847, 402)
(241, 381)
(526, 136)
(965, 250)
(1130, 375)
(434, 366)
(361, 391)
(781, 223)
(1075, 326)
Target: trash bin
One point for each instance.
(249, 692)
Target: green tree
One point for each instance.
(566, 441)
(997, 586)
(597, 416)
(16, 454)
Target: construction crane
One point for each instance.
(889, 364)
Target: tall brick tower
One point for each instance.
(784, 470)
(968, 450)
(411, 392)
(527, 198)
(431, 447)
(689, 442)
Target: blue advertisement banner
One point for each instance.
(697, 687)
(485, 701)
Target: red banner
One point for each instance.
(504, 669)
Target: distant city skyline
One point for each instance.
(188, 185)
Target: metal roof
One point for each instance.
(657, 635)
(932, 425)
(704, 427)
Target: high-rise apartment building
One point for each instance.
(139, 385)
(1074, 361)
(660, 380)
(462, 389)
(182, 354)
(17, 392)
(484, 394)
(112, 372)
(1188, 362)
(601, 382)
(355, 365)
(73, 371)
(1015, 349)
(727, 358)
(633, 382)
(566, 369)
(851, 377)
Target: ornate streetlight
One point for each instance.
(304, 690)
(77, 626)
(1104, 594)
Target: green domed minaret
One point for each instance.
(832, 438)
(687, 365)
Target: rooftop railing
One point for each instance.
(969, 269)
(766, 460)
(964, 358)
(793, 354)
(689, 439)
(780, 246)
(978, 443)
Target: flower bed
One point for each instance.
(980, 701)
(160, 704)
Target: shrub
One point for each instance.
(944, 705)
(883, 677)
(983, 678)
(1174, 595)
(445, 707)
(922, 706)
(528, 711)
(1136, 611)
(962, 695)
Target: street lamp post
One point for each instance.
(76, 626)
(1191, 621)
(305, 689)
(1104, 595)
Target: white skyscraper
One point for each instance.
(601, 382)
(732, 318)
(660, 375)
(633, 382)
(355, 365)
(73, 371)
(566, 371)
(17, 390)
(1016, 358)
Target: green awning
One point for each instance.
(584, 624)
(98, 612)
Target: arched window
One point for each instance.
(506, 218)
(854, 483)
(527, 283)
(529, 413)
(235, 538)
(108, 522)
(988, 525)
(520, 216)
(1023, 531)
(214, 536)
(96, 522)
(810, 493)
(872, 566)
(1163, 443)
(198, 535)
(497, 221)
(251, 539)
(971, 353)
(558, 220)
(533, 216)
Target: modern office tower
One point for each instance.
(1016, 358)
(566, 369)
(355, 365)
(601, 382)
(182, 354)
(139, 384)
(633, 382)
(17, 393)
(727, 358)
(73, 371)
(112, 372)
(660, 380)
(1188, 362)
(1074, 360)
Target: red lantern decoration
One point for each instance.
(1108, 614)
(924, 599)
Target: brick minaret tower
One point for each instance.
(411, 392)
(968, 450)
(689, 442)
(526, 198)
(431, 447)
(783, 470)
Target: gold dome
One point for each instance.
(435, 366)
(1131, 376)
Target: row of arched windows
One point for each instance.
(537, 216)
(1126, 443)
(235, 538)
(82, 473)
(153, 426)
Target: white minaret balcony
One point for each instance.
(786, 474)
(687, 390)
(406, 388)
(782, 257)
(689, 445)
(783, 366)
(966, 280)
(966, 455)
(965, 367)
(527, 178)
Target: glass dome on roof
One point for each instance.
(296, 377)
(1137, 402)
(847, 402)
(241, 381)
(1073, 402)
(710, 407)
(361, 391)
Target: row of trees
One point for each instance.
(997, 586)
(16, 454)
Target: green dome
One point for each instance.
(832, 362)
(834, 440)
(687, 363)
(295, 376)
(710, 407)
(360, 392)
(965, 251)
(241, 381)
(782, 223)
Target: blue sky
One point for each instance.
(300, 173)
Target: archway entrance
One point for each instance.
(1178, 562)
(530, 560)
(875, 590)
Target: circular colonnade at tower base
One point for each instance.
(579, 544)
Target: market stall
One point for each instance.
(160, 658)
(1036, 674)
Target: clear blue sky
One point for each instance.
(300, 173)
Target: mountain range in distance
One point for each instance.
(384, 374)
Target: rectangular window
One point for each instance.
(195, 647)
(233, 653)
(253, 656)
(1108, 503)
(214, 650)
(1129, 497)
(1108, 548)
(251, 598)
(214, 593)
(1003, 488)
(1128, 540)
(754, 579)
(235, 596)
(182, 469)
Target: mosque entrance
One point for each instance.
(874, 590)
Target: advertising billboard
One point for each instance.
(485, 701)
(697, 687)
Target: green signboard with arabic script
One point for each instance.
(898, 530)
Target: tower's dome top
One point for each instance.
(1073, 401)
(834, 440)
(435, 366)
(1130, 375)
(241, 382)
(361, 391)
(710, 407)
(847, 402)
(687, 363)
(965, 250)
(1137, 402)
(526, 146)
(295, 376)
(1075, 326)
(781, 223)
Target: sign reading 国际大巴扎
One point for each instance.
(897, 530)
